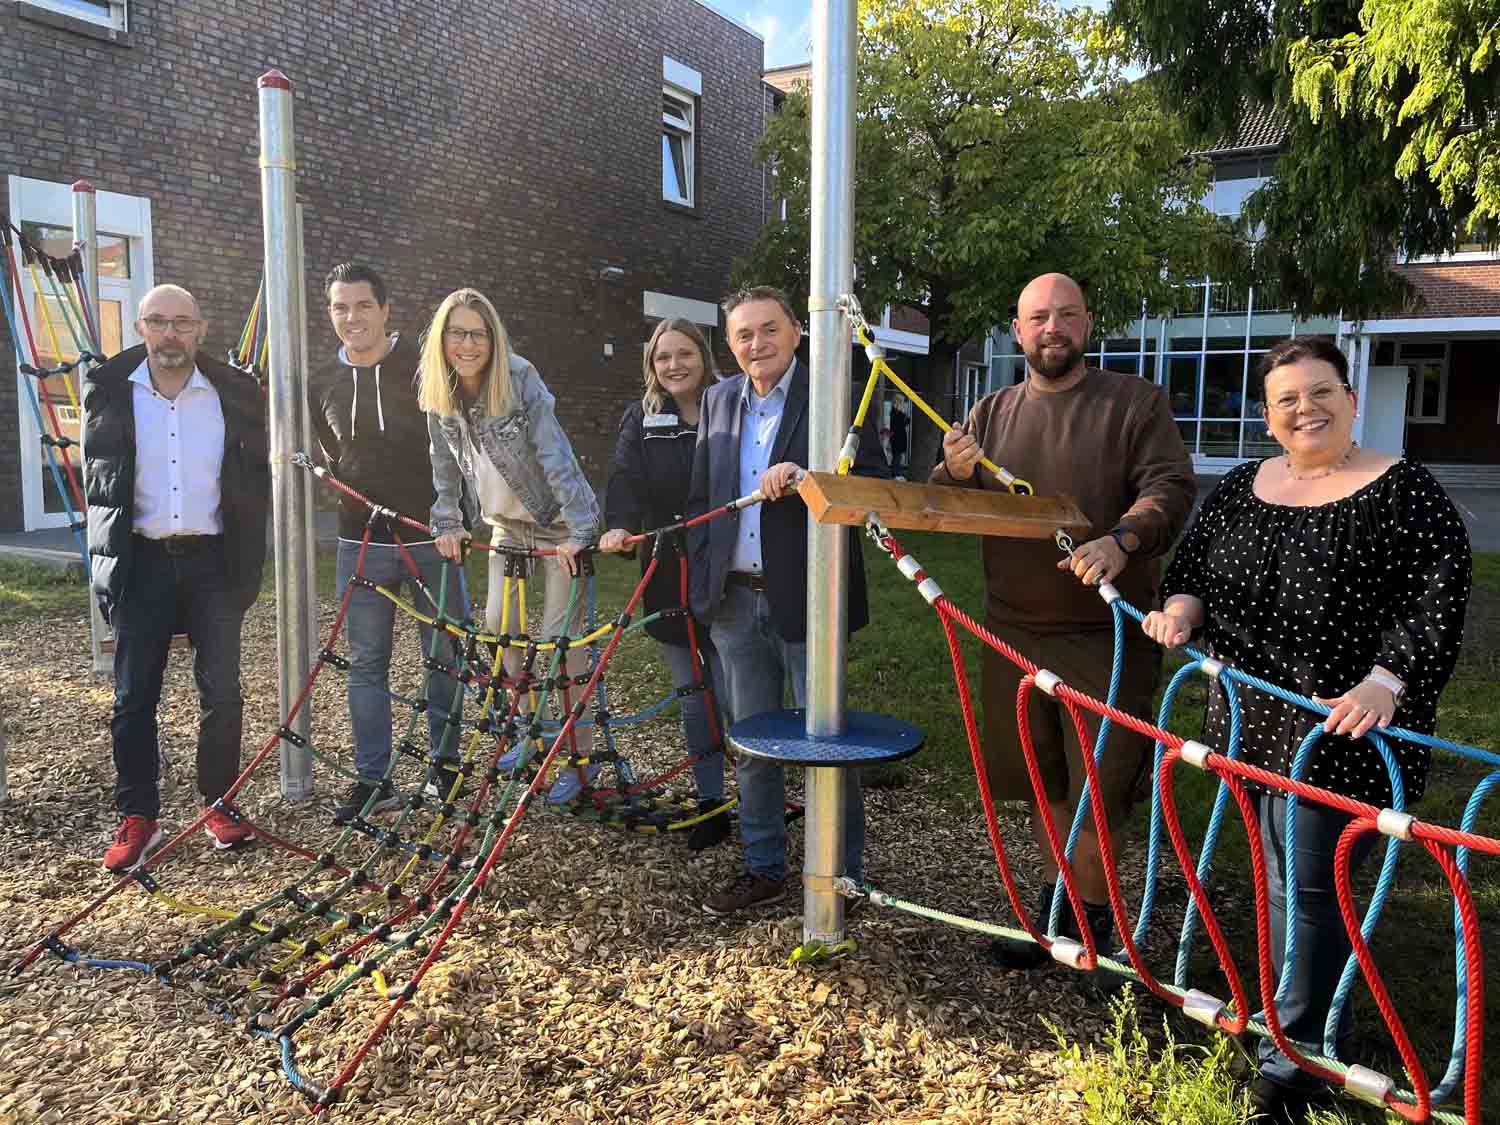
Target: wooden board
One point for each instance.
(929, 507)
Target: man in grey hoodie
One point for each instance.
(374, 436)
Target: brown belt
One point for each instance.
(756, 582)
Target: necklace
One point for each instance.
(1319, 474)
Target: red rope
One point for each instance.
(1437, 839)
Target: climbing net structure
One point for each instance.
(376, 907)
(1450, 848)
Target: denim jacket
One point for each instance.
(531, 452)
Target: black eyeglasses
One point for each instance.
(182, 325)
(463, 335)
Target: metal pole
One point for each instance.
(833, 55)
(288, 380)
(86, 231)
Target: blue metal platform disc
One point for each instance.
(781, 736)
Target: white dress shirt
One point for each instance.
(179, 453)
(760, 419)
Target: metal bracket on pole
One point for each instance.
(286, 324)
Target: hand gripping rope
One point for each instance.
(378, 906)
(878, 367)
(1450, 848)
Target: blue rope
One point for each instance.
(1210, 839)
(1116, 672)
(1158, 820)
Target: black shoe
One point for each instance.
(441, 784)
(1101, 983)
(1023, 954)
(1271, 1103)
(358, 795)
(714, 830)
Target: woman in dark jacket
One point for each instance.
(648, 488)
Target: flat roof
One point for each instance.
(725, 15)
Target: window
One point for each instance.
(1427, 384)
(105, 13)
(114, 249)
(677, 171)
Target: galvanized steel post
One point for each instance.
(833, 60)
(86, 231)
(286, 324)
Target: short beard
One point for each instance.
(183, 353)
(1053, 369)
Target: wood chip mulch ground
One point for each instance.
(586, 986)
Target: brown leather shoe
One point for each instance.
(746, 891)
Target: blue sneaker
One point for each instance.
(567, 787)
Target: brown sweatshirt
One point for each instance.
(1110, 443)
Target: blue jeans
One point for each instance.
(757, 666)
(162, 593)
(370, 624)
(707, 751)
(1322, 942)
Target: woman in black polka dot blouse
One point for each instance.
(1342, 574)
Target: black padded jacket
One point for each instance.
(109, 486)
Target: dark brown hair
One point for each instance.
(1298, 348)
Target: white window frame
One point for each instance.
(113, 14)
(40, 201)
(686, 129)
(1416, 396)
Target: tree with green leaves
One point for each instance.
(996, 140)
(1389, 106)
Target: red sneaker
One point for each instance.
(135, 837)
(227, 827)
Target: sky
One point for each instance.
(784, 25)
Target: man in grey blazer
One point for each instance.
(749, 570)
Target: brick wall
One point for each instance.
(1454, 289)
(514, 147)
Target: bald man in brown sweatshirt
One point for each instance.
(1109, 441)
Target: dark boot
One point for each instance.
(1101, 982)
(1016, 953)
(714, 830)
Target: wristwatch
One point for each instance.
(1389, 682)
(1118, 535)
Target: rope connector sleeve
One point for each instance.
(909, 567)
(1211, 668)
(1047, 680)
(1067, 952)
(1195, 754)
(1395, 823)
(930, 590)
(1202, 1007)
(1109, 593)
(874, 351)
(1368, 1085)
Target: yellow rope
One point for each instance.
(57, 352)
(879, 367)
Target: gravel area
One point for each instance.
(586, 985)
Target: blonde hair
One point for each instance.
(437, 383)
(655, 398)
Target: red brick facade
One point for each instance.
(1453, 289)
(515, 147)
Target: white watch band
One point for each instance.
(1387, 681)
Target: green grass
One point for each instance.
(33, 591)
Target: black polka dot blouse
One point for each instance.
(1311, 598)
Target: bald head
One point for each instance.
(1052, 326)
(1050, 289)
(170, 300)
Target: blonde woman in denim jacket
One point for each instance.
(492, 425)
